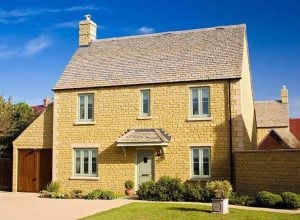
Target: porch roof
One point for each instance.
(136, 137)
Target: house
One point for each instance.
(38, 109)
(273, 127)
(137, 108)
(295, 127)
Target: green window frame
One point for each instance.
(145, 102)
(86, 107)
(200, 102)
(85, 162)
(200, 162)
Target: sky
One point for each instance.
(38, 38)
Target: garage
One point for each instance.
(34, 169)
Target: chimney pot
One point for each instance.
(46, 102)
(88, 17)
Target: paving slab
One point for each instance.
(29, 206)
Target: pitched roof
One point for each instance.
(271, 114)
(295, 127)
(145, 136)
(288, 138)
(202, 54)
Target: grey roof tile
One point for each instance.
(203, 54)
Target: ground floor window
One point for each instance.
(85, 162)
(200, 162)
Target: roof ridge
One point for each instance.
(172, 32)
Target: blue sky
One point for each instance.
(38, 38)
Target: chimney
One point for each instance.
(46, 102)
(284, 95)
(87, 31)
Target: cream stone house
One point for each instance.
(140, 107)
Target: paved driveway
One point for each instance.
(29, 206)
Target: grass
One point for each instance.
(145, 211)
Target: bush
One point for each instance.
(53, 187)
(242, 200)
(77, 194)
(129, 184)
(290, 200)
(99, 194)
(219, 189)
(268, 199)
(165, 189)
(146, 191)
(193, 192)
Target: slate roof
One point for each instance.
(145, 136)
(270, 114)
(202, 54)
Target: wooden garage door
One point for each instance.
(34, 170)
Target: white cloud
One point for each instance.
(145, 30)
(36, 45)
(16, 16)
(7, 53)
(67, 24)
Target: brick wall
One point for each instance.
(272, 170)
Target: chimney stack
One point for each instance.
(46, 102)
(284, 95)
(87, 31)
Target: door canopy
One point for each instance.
(144, 138)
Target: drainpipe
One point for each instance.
(232, 173)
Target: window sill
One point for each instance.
(144, 118)
(94, 178)
(84, 123)
(199, 119)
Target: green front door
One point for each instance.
(145, 166)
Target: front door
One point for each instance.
(145, 166)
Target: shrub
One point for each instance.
(268, 199)
(146, 190)
(129, 184)
(165, 189)
(192, 192)
(242, 200)
(219, 189)
(77, 194)
(53, 187)
(99, 194)
(290, 200)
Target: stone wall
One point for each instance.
(38, 135)
(117, 109)
(272, 170)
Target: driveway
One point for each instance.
(30, 206)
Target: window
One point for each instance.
(86, 107)
(145, 102)
(200, 162)
(200, 106)
(85, 162)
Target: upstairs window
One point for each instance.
(200, 102)
(145, 102)
(86, 107)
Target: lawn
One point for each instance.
(157, 211)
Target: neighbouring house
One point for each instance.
(140, 107)
(273, 125)
(38, 109)
(295, 127)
